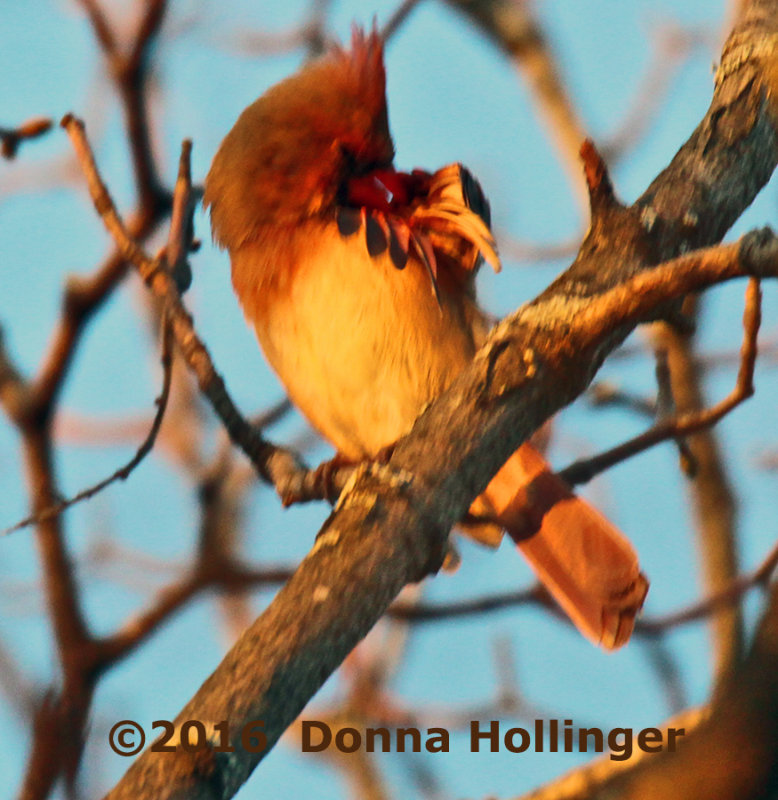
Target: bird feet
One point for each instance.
(326, 481)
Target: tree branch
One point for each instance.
(11, 138)
(124, 471)
(742, 722)
(691, 422)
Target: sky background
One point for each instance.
(452, 97)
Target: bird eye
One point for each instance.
(345, 151)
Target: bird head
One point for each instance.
(292, 152)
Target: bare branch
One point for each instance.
(667, 669)
(606, 393)
(712, 496)
(276, 465)
(14, 685)
(678, 427)
(181, 229)
(672, 46)
(742, 716)
(515, 28)
(123, 472)
(418, 612)
(224, 576)
(731, 594)
(129, 69)
(398, 17)
(103, 31)
(11, 138)
(310, 34)
(531, 251)
(645, 625)
(148, 29)
(13, 387)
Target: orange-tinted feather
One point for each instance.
(585, 562)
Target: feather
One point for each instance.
(349, 221)
(427, 255)
(375, 236)
(399, 242)
(446, 210)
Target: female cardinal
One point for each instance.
(359, 282)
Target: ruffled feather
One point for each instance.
(444, 216)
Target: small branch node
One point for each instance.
(758, 252)
(598, 182)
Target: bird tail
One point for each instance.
(585, 562)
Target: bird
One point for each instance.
(359, 282)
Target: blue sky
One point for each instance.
(452, 96)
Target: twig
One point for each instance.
(665, 665)
(605, 393)
(262, 43)
(731, 594)
(181, 233)
(203, 576)
(278, 466)
(148, 29)
(273, 414)
(711, 493)
(123, 472)
(419, 612)
(398, 16)
(678, 427)
(13, 388)
(666, 409)
(15, 686)
(315, 32)
(537, 595)
(516, 29)
(672, 46)
(103, 32)
(11, 138)
(129, 68)
(310, 34)
(521, 250)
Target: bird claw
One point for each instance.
(324, 477)
(385, 453)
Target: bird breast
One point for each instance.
(360, 345)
